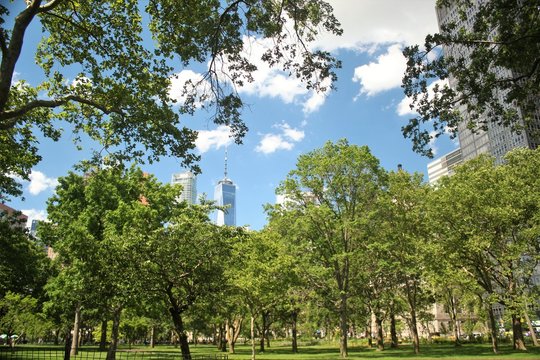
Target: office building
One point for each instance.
(225, 195)
(189, 186)
(496, 140)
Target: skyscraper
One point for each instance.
(189, 186)
(225, 195)
(497, 140)
(444, 165)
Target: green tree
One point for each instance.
(487, 219)
(504, 35)
(124, 54)
(334, 190)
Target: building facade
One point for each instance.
(189, 186)
(225, 195)
(444, 165)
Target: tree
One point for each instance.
(493, 67)
(334, 191)
(119, 95)
(487, 218)
(183, 263)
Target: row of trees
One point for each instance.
(351, 242)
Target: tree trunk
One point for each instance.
(393, 332)
(179, 329)
(519, 342)
(252, 332)
(414, 331)
(115, 332)
(343, 326)
(493, 329)
(103, 337)
(263, 331)
(153, 336)
(76, 327)
(531, 328)
(294, 332)
(380, 338)
(453, 316)
(222, 336)
(369, 335)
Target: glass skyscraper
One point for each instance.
(225, 195)
(189, 186)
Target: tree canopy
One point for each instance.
(108, 67)
(493, 69)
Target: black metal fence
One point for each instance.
(23, 353)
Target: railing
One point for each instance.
(18, 353)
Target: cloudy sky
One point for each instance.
(285, 119)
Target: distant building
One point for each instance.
(9, 211)
(225, 195)
(444, 165)
(189, 186)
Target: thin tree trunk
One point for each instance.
(393, 332)
(380, 338)
(153, 336)
(453, 315)
(414, 330)
(103, 337)
(115, 332)
(519, 342)
(294, 332)
(344, 327)
(252, 331)
(531, 329)
(493, 329)
(76, 327)
(263, 331)
(369, 335)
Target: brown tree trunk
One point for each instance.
(153, 336)
(115, 333)
(294, 332)
(103, 337)
(493, 329)
(380, 337)
(393, 332)
(519, 342)
(76, 327)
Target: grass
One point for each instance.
(330, 351)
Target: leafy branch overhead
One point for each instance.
(490, 70)
(125, 55)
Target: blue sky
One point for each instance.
(285, 119)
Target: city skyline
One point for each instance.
(285, 119)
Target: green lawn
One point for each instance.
(325, 351)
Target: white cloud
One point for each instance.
(367, 23)
(284, 140)
(384, 74)
(34, 214)
(208, 139)
(39, 182)
(404, 106)
(191, 80)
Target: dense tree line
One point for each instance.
(352, 248)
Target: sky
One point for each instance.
(285, 119)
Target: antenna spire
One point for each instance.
(225, 163)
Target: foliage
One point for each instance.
(108, 67)
(21, 316)
(493, 69)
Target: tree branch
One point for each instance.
(12, 115)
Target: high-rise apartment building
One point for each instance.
(225, 195)
(497, 140)
(189, 186)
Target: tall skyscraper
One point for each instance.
(225, 195)
(189, 186)
(497, 140)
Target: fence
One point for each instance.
(18, 353)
